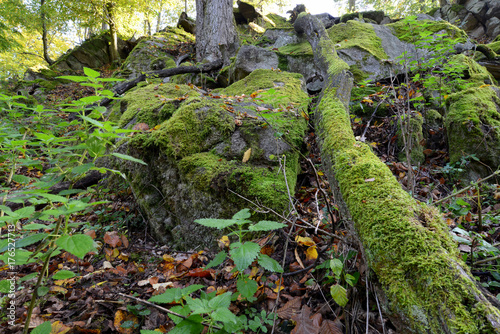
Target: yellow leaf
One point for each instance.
(311, 253)
(304, 241)
(58, 289)
(224, 242)
(168, 258)
(247, 154)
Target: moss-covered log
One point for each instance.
(426, 287)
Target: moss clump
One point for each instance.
(287, 86)
(408, 28)
(150, 104)
(473, 125)
(474, 73)
(348, 35)
(359, 75)
(357, 34)
(195, 127)
(298, 49)
(279, 22)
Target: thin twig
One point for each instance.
(467, 188)
(145, 302)
(330, 211)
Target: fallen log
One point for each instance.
(424, 284)
(204, 68)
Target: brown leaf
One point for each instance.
(331, 327)
(290, 309)
(305, 325)
(113, 239)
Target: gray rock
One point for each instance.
(469, 23)
(327, 19)
(477, 7)
(493, 9)
(250, 58)
(493, 27)
(478, 33)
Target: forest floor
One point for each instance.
(131, 263)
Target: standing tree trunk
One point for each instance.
(45, 42)
(216, 36)
(110, 17)
(423, 284)
(352, 5)
(158, 18)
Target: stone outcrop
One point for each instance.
(479, 18)
(205, 151)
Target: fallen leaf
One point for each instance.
(246, 155)
(304, 241)
(291, 308)
(113, 239)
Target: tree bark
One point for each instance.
(423, 284)
(110, 16)
(45, 41)
(216, 36)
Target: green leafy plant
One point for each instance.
(243, 253)
(60, 150)
(213, 310)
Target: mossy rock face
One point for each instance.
(473, 128)
(93, 53)
(152, 53)
(196, 146)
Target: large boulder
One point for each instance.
(473, 122)
(250, 58)
(155, 52)
(205, 153)
(92, 53)
(479, 18)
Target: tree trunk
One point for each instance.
(420, 279)
(113, 48)
(352, 6)
(44, 34)
(216, 36)
(158, 18)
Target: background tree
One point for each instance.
(216, 36)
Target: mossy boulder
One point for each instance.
(205, 153)
(473, 128)
(154, 52)
(92, 53)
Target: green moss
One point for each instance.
(473, 124)
(456, 7)
(358, 74)
(298, 49)
(348, 35)
(408, 28)
(287, 86)
(433, 11)
(195, 127)
(407, 244)
(150, 104)
(476, 73)
(210, 171)
(357, 34)
(279, 22)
